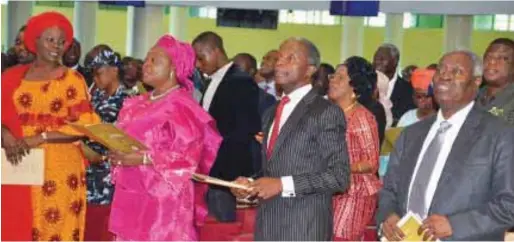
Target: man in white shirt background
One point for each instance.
(231, 98)
(386, 60)
(454, 169)
(305, 159)
(267, 72)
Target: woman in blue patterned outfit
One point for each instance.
(107, 101)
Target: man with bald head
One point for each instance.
(400, 91)
(455, 169)
(305, 159)
(231, 98)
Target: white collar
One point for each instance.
(458, 118)
(220, 73)
(299, 93)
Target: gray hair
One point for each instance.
(395, 53)
(313, 56)
(478, 67)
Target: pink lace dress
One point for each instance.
(160, 201)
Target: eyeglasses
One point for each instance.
(332, 76)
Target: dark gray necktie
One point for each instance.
(422, 179)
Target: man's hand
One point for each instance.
(259, 137)
(242, 193)
(267, 187)
(390, 230)
(435, 227)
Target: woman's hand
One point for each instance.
(34, 141)
(122, 159)
(15, 148)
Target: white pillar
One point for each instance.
(144, 29)
(394, 31)
(353, 37)
(129, 38)
(18, 12)
(178, 22)
(84, 24)
(458, 31)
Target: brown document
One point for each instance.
(215, 181)
(30, 171)
(110, 136)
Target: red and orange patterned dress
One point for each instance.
(43, 106)
(354, 209)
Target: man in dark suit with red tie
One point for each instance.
(305, 159)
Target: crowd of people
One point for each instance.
(303, 136)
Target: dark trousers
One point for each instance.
(221, 204)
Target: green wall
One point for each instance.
(421, 46)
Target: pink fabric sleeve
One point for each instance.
(176, 148)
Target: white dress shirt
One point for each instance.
(456, 121)
(213, 85)
(294, 98)
(269, 87)
(392, 82)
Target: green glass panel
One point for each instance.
(429, 21)
(483, 22)
(194, 12)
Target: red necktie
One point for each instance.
(276, 125)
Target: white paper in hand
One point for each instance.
(30, 171)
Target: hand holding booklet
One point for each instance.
(215, 181)
(409, 224)
(110, 136)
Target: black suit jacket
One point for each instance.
(234, 106)
(401, 98)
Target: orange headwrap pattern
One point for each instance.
(39, 23)
(421, 78)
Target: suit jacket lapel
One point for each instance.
(411, 158)
(268, 121)
(465, 140)
(221, 86)
(295, 117)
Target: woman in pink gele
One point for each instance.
(155, 198)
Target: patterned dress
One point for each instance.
(42, 106)
(99, 186)
(354, 209)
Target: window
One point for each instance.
(207, 12)
(378, 21)
(501, 22)
(308, 17)
(483, 22)
(409, 20)
(66, 4)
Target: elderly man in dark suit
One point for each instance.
(305, 159)
(400, 91)
(231, 98)
(454, 169)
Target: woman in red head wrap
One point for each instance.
(38, 100)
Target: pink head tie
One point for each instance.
(183, 57)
